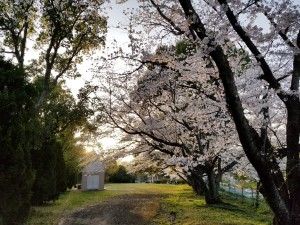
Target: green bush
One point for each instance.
(118, 174)
(50, 170)
(163, 180)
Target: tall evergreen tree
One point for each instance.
(16, 115)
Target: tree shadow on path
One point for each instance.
(130, 209)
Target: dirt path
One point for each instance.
(128, 209)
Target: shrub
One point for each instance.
(118, 174)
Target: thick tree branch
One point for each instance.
(179, 31)
(268, 74)
(281, 33)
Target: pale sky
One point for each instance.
(116, 18)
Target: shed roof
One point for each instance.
(94, 167)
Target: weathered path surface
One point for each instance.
(127, 209)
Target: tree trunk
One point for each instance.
(258, 187)
(292, 138)
(209, 189)
(293, 164)
(212, 194)
(195, 179)
(199, 187)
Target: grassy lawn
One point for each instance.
(185, 208)
(180, 206)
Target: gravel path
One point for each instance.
(128, 209)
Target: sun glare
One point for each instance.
(128, 158)
(108, 143)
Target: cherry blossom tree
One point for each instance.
(273, 50)
(175, 117)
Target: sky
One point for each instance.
(116, 18)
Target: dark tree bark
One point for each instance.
(212, 196)
(209, 188)
(196, 181)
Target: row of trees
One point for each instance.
(239, 79)
(160, 111)
(40, 154)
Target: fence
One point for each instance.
(247, 195)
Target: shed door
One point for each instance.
(93, 182)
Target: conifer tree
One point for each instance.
(16, 136)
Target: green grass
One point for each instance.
(180, 206)
(188, 209)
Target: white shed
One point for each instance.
(93, 176)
